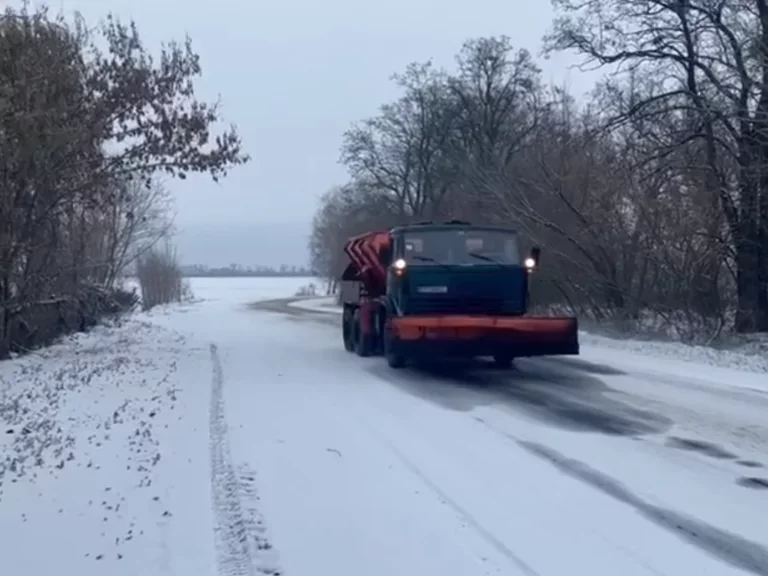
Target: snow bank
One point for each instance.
(752, 357)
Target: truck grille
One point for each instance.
(462, 306)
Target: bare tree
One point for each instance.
(710, 62)
(84, 133)
(344, 212)
(140, 217)
(402, 151)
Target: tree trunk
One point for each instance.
(752, 305)
(762, 280)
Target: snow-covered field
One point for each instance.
(223, 438)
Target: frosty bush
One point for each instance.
(186, 292)
(160, 278)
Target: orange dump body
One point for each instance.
(365, 253)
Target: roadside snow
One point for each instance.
(111, 460)
(672, 357)
(751, 358)
(101, 470)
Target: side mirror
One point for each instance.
(536, 254)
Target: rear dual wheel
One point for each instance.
(352, 333)
(365, 345)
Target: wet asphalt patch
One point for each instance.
(753, 482)
(586, 366)
(718, 453)
(556, 393)
(283, 307)
(706, 448)
(749, 464)
(560, 391)
(565, 392)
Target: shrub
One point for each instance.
(160, 277)
(307, 290)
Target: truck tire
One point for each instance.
(394, 359)
(363, 342)
(347, 330)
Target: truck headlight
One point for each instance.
(530, 263)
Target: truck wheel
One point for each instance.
(347, 330)
(363, 342)
(394, 359)
(503, 360)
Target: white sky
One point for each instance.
(294, 74)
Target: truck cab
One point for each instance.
(457, 268)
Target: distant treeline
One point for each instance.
(234, 270)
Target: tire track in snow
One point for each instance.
(443, 497)
(733, 549)
(463, 513)
(239, 533)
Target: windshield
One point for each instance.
(462, 247)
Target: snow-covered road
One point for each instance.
(271, 450)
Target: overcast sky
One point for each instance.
(293, 75)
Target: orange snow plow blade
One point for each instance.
(488, 335)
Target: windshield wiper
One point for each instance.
(486, 258)
(430, 259)
(424, 259)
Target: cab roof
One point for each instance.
(451, 225)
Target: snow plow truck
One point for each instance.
(450, 290)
